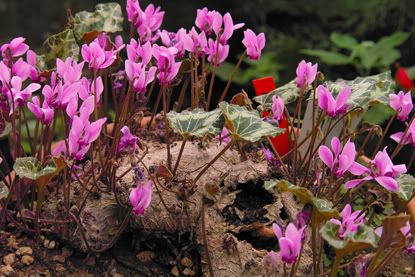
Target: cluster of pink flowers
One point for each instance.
(349, 222)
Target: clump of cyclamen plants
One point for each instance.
(325, 167)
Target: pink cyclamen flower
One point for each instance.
(341, 162)
(402, 104)
(306, 74)
(42, 112)
(224, 137)
(331, 106)
(177, 40)
(204, 20)
(254, 44)
(269, 157)
(277, 108)
(83, 133)
(140, 197)
(409, 136)
(139, 53)
(139, 76)
(69, 70)
(96, 56)
(383, 171)
(128, 142)
(15, 48)
(21, 69)
(290, 244)
(18, 94)
(350, 221)
(166, 64)
(147, 21)
(225, 32)
(217, 52)
(59, 95)
(196, 43)
(272, 262)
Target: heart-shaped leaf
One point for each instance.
(106, 18)
(62, 46)
(31, 168)
(365, 237)
(406, 184)
(247, 125)
(4, 191)
(288, 92)
(196, 123)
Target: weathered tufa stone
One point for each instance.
(186, 262)
(27, 260)
(6, 270)
(25, 250)
(9, 259)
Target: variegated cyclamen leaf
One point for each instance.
(406, 184)
(31, 168)
(365, 237)
(4, 191)
(288, 92)
(196, 123)
(106, 18)
(366, 91)
(247, 125)
(62, 46)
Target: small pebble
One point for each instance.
(188, 272)
(175, 271)
(12, 243)
(27, 260)
(186, 262)
(9, 259)
(145, 256)
(6, 270)
(25, 250)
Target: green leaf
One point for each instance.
(393, 40)
(62, 46)
(366, 91)
(343, 40)
(411, 72)
(330, 58)
(246, 125)
(106, 18)
(196, 123)
(31, 168)
(406, 184)
(365, 237)
(324, 208)
(288, 93)
(4, 191)
(377, 114)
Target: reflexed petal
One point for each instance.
(388, 183)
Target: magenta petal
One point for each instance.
(388, 183)
(358, 169)
(353, 183)
(326, 156)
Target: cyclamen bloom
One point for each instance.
(277, 108)
(306, 74)
(290, 244)
(42, 112)
(96, 56)
(177, 40)
(272, 262)
(83, 133)
(140, 197)
(137, 74)
(409, 137)
(254, 44)
(350, 221)
(139, 53)
(331, 106)
(59, 95)
(15, 48)
(224, 33)
(217, 52)
(383, 171)
(204, 19)
(340, 163)
(128, 141)
(224, 137)
(402, 104)
(69, 70)
(196, 43)
(19, 95)
(167, 66)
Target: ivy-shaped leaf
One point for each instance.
(106, 18)
(4, 191)
(246, 125)
(288, 92)
(365, 237)
(62, 46)
(31, 168)
(366, 91)
(406, 184)
(196, 123)
(324, 208)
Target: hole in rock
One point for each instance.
(258, 240)
(284, 214)
(248, 206)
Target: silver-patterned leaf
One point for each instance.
(366, 91)
(106, 18)
(247, 125)
(196, 123)
(31, 168)
(62, 46)
(406, 184)
(4, 191)
(288, 92)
